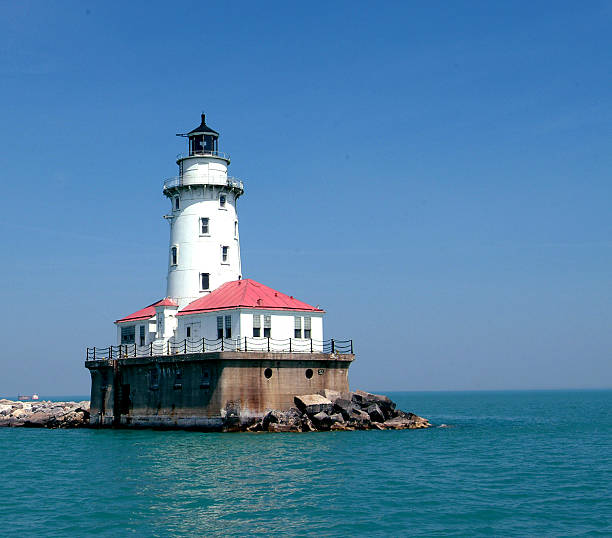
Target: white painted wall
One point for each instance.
(282, 325)
(204, 181)
(150, 326)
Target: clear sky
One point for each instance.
(435, 175)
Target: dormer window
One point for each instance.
(222, 200)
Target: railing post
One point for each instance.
(268, 344)
(185, 348)
(168, 347)
(134, 350)
(245, 342)
(222, 346)
(151, 349)
(351, 346)
(203, 345)
(311, 349)
(110, 353)
(333, 346)
(290, 344)
(94, 357)
(87, 354)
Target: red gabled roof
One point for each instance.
(246, 294)
(148, 311)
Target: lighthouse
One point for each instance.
(218, 346)
(204, 250)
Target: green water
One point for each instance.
(510, 464)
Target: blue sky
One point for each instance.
(436, 176)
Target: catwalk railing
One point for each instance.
(206, 345)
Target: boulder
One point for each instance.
(407, 421)
(365, 399)
(376, 415)
(331, 395)
(322, 421)
(344, 406)
(307, 425)
(311, 404)
(276, 427)
(339, 426)
(271, 417)
(38, 420)
(336, 417)
(359, 419)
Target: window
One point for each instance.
(205, 381)
(307, 332)
(297, 333)
(268, 373)
(222, 200)
(228, 326)
(177, 203)
(188, 332)
(256, 325)
(267, 326)
(174, 255)
(128, 334)
(224, 254)
(204, 226)
(235, 228)
(154, 379)
(219, 327)
(142, 335)
(204, 281)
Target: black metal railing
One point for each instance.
(206, 345)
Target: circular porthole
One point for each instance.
(308, 373)
(268, 373)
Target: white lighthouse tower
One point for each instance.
(204, 250)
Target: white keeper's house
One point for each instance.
(208, 303)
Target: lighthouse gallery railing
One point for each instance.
(206, 345)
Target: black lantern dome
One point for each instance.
(203, 140)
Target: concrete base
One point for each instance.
(207, 391)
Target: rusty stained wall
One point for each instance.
(194, 390)
(102, 392)
(245, 381)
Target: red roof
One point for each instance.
(246, 294)
(147, 312)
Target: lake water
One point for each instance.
(509, 464)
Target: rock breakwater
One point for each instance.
(44, 414)
(335, 411)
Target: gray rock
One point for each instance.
(276, 427)
(311, 404)
(376, 415)
(365, 399)
(307, 425)
(331, 395)
(322, 421)
(359, 419)
(271, 417)
(336, 417)
(344, 406)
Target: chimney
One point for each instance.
(203, 118)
